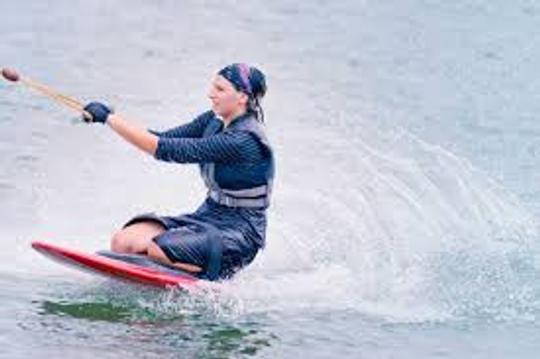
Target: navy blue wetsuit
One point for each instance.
(217, 237)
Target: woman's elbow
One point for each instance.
(151, 145)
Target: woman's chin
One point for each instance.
(217, 112)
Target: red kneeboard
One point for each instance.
(116, 268)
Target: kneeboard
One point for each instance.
(130, 267)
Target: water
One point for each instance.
(405, 215)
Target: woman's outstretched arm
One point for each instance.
(137, 136)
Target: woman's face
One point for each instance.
(227, 102)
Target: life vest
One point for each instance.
(243, 184)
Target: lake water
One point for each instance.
(405, 215)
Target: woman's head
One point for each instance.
(238, 88)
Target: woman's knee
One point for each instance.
(120, 242)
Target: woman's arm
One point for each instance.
(193, 129)
(224, 147)
(147, 140)
(135, 135)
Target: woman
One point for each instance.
(237, 165)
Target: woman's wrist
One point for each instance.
(110, 119)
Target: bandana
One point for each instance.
(238, 75)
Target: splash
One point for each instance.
(387, 224)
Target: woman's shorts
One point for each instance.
(220, 251)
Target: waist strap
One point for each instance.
(241, 198)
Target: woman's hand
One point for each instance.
(99, 112)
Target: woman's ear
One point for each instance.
(243, 99)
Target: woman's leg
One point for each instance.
(155, 252)
(136, 238)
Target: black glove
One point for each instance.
(99, 111)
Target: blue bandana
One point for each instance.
(238, 75)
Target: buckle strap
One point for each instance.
(247, 192)
(222, 198)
